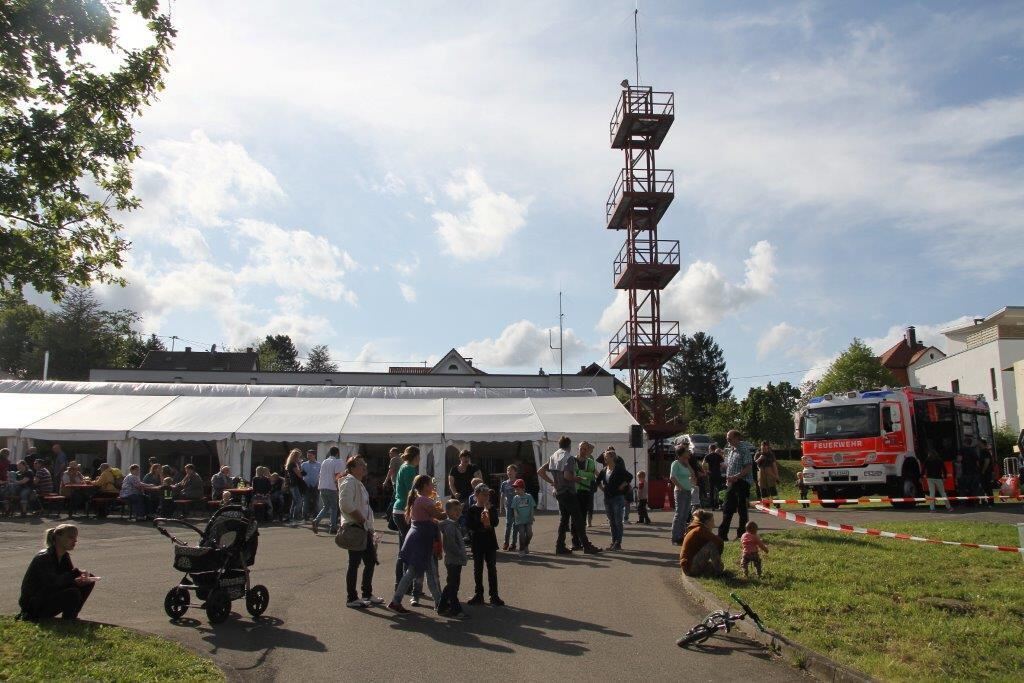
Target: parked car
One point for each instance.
(699, 443)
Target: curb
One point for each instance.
(818, 665)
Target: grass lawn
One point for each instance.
(897, 610)
(57, 651)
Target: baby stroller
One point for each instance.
(217, 569)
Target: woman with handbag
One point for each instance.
(296, 485)
(356, 533)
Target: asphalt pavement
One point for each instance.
(613, 615)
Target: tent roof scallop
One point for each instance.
(20, 410)
(199, 418)
(295, 419)
(96, 418)
(383, 420)
(595, 418)
(494, 419)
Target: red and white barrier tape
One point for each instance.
(824, 524)
(855, 501)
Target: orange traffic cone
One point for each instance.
(667, 505)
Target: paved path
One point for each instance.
(614, 615)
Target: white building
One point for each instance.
(977, 358)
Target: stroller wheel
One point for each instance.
(257, 599)
(176, 603)
(218, 606)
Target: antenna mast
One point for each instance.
(561, 345)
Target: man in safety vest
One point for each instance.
(586, 474)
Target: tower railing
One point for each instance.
(638, 182)
(644, 334)
(646, 253)
(641, 101)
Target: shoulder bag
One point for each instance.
(351, 537)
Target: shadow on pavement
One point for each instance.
(508, 627)
(261, 634)
(727, 645)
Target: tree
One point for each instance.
(698, 371)
(725, 415)
(856, 369)
(767, 413)
(320, 360)
(20, 326)
(278, 354)
(66, 138)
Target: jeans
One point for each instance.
(403, 529)
(736, 498)
(937, 486)
(490, 557)
(682, 516)
(510, 527)
(367, 558)
(67, 602)
(570, 515)
(615, 507)
(525, 532)
(298, 502)
(328, 505)
(411, 575)
(312, 500)
(586, 503)
(450, 594)
(138, 505)
(641, 513)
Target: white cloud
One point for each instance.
(408, 292)
(701, 297)
(484, 224)
(791, 342)
(524, 345)
(200, 180)
(294, 260)
(408, 268)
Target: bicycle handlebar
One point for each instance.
(749, 612)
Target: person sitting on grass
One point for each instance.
(751, 544)
(701, 554)
(52, 585)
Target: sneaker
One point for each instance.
(475, 600)
(356, 604)
(397, 608)
(373, 600)
(497, 602)
(415, 602)
(512, 547)
(563, 551)
(504, 547)
(591, 550)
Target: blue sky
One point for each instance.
(394, 180)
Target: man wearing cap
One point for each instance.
(560, 472)
(311, 475)
(586, 474)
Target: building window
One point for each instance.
(995, 391)
(954, 386)
(453, 367)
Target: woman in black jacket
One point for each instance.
(614, 480)
(52, 585)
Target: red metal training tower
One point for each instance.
(645, 265)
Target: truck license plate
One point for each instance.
(839, 474)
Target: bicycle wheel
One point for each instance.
(697, 634)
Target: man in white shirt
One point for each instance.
(354, 500)
(330, 470)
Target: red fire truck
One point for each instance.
(875, 442)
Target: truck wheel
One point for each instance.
(907, 488)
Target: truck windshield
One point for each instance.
(841, 421)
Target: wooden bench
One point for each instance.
(51, 500)
(103, 503)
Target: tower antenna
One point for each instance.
(636, 39)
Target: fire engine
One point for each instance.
(875, 442)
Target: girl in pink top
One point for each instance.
(751, 543)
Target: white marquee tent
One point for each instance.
(234, 416)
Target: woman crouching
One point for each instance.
(52, 585)
(701, 554)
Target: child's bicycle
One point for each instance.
(718, 621)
